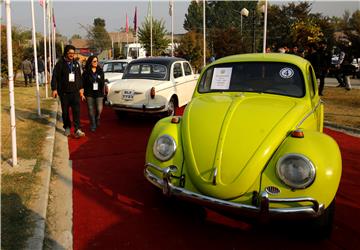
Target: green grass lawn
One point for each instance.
(17, 189)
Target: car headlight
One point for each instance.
(164, 147)
(296, 171)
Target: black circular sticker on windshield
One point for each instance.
(286, 72)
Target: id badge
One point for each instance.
(95, 86)
(71, 77)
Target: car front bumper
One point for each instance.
(141, 108)
(262, 211)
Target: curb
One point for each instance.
(346, 129)
(39, 206)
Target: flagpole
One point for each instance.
(172, 27)
(151, 34)
(35, 57)
(54, 37)
(11, 82)
(45, 55)
(127, 29)
(265, 26)
(49, 41)
(204, 30)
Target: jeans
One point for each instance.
(70, 100)
(41, 78)
(95, 107)
(28, 78)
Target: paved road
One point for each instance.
(329, 81)
(114, 207)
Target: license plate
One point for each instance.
(128, 95)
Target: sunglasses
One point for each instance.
(94, 61)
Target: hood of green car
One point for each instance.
(229, 138)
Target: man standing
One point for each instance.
(41, 71)
(27, 69)
(67, 83)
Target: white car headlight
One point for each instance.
(164, 147)
(296, 171)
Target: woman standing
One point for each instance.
(94, 88)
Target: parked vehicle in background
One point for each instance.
(101, 63)
(251, 143)
(134, 51)
(114, 70)
(153, 85)
(356, 64)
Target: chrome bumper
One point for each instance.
(137, 107)
(263, 211)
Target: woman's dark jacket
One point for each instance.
(88, 78)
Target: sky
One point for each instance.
(70, 16)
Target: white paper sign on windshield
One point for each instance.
(221, 78)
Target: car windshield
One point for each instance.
(260, 77)
(146, 71)
(117, 67)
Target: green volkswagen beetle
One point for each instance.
(251, 143)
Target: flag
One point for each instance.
(53, 18)
(135, 20)
(127, 24)
(170, 7)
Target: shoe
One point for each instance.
(93, 129)
(347, 88)
(340, 85)
(97, 122)
(67, 132)
(79, 133)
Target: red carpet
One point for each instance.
(114, 207)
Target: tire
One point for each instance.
(172, 105)
(120, 114)
(323, 225)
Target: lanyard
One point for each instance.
(70, 66)
(94, 75)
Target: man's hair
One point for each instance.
(67, 48)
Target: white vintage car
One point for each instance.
(153, 85)
(114, 70)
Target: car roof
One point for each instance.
(118, 60)
(165, 60)
(265, 57)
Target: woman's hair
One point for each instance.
(88, 62)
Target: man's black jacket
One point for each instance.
(60, 77)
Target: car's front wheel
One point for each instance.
(120, 114)
(324, 224)
(171, 107)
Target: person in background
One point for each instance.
(337, 64)
(94, 89)
(67, 83)
(41, 71)
(27, 69)
(282, 50)
(320, 60)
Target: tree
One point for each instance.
(191, 49)
(306, 32)
(98, 37)
(193, 19)
(75, 36)
(159, 42)
(18, 38)
(227, 42)
(352, 31)
(282, 18)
